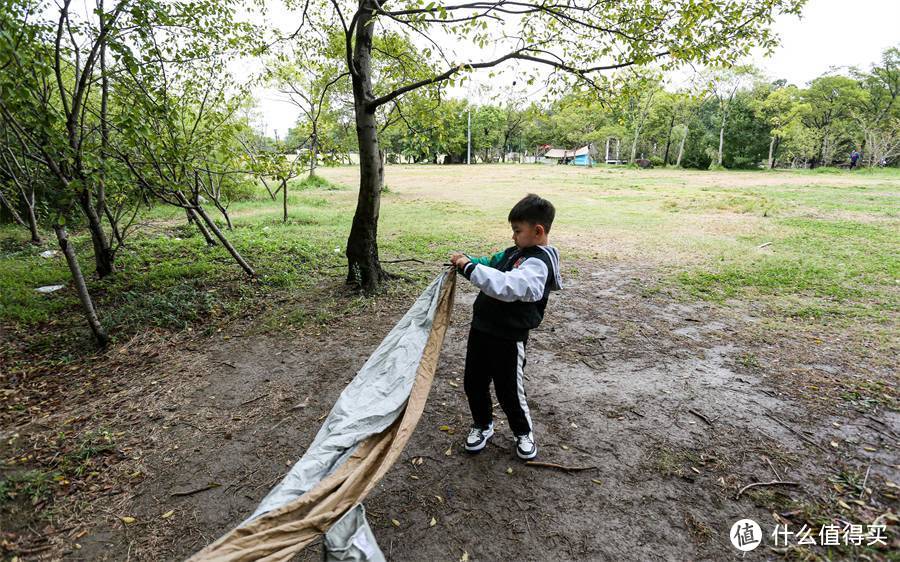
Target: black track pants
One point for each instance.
(503, 361)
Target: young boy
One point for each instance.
(515, 284)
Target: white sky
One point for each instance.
(831, 33)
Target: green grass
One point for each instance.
(832, 238)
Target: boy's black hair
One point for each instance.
(533, 210)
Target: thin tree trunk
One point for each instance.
(192, 217)
(284, 195)
(363, 266)
(104, 256)
(12, 210)
(231, 250)
(681, 148)
(83, 295)
(669, 140)
(722, 140)
(32, 221)
(315, 152)
(772, 152)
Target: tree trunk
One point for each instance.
(284, 190)
(772, 152)
(681, 148)
(634, 143)
(315, 152)
(192, 217)
(231, 250)
(722, 140)
(83, 295)
(669, 140)
(32, 221)
(104, 257)
(363, 266)
(12, 211)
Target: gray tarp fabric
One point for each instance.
(351, 539)
(361, 438)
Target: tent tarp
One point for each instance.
(361, 438)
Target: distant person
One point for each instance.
(515, 285)
(854, 158)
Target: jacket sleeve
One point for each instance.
(525, 283)
(490, 261)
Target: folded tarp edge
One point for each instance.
(281, 532)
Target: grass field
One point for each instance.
(807, 244)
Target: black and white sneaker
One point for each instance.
(478, 438)
(525, 446)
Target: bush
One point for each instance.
(242, 188)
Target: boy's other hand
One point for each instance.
(459, 260)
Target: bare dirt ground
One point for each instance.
(676, 405)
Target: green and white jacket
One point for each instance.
(515, 285)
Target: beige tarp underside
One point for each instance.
(283, 532)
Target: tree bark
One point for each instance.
(284, 190)
(772, 152)
(12, 211)
(669, 140)
(32, 220)
(193, 218)
(722, 140)
(681, 148)
(83, 295)
(363, 266)
(315, 151)
(104, 256)
(231, 250)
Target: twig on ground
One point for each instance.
(229, 364)
(866, 479)
(775, 472)
(209, 486)
(402, 261)
(797, 433)
(761, 246)
(558, 466)
(252, 400)
(757, 484)
(701, 416)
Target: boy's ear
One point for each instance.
(539, 230)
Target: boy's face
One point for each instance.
(526, 235)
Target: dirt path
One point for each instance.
(660, 396)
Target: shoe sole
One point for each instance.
(477, 448)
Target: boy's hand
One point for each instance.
(459, 260)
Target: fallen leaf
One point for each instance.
(449, 451)
(414, 477)
(870, 449)
(168, 514)
(565, 447)
(439, 499)
(128, 520)
(509, 470)
(433, 522)
(453, 384)
(444, 428)
(695, 470)
(395, 523)
(596, 481)
(464, 557)
(835, 444)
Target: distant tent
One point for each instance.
(582, 157)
